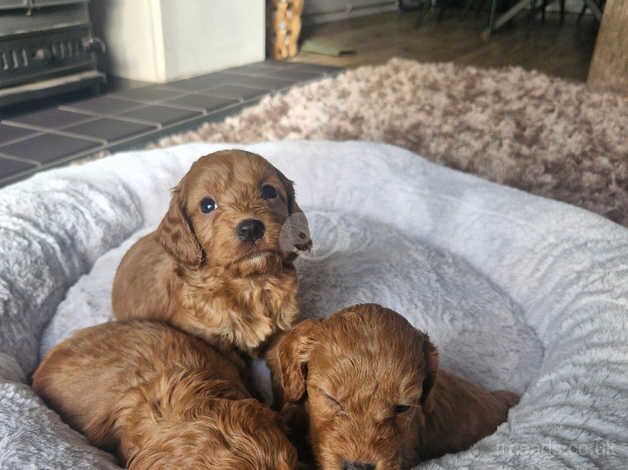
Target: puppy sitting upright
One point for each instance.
(160, 399)
(219, 266)
(374, 395)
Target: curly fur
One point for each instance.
(160, 399)
(196, 274)
(373, 392)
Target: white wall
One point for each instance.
(207, 35)
(163, 40)
(133, 46)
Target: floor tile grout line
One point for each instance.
(239, 99)
(196, 120)
(49, 130)
(268, 75)
(20, 175)
(158, 130)
(204, 112)
(132, 138)
(35, 127)
(263, 90)
(180, 107)
(20, 159)
(73, 135)
(69, 107)
(158, 100)
(196, 90)
(63, 131)
(261, 75)
(111, 118)
(20, 139)
(130, 120)
(121, 117)
(278, 66)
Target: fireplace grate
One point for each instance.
(42, 43)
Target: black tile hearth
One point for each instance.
(201, 102)
(11, 166)
(259, 81)
(287, 74)
(33, 138)
(162, 115)
(49, 118)
(9, 133)
(312, 68)
(248, 69)
(110, 130)
(107, 105)
(149, 93)
(199, 83)
(236, 92)
(46, 148)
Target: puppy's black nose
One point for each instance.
(250, 230)
(346, 465)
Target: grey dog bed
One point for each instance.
(517, 291)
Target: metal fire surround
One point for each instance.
(46, 47)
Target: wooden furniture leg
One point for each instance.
(562, 11)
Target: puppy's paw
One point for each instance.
(510, 399)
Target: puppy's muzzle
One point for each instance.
(250, 230)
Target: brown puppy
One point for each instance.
(160, 399)
(219, 266)
(373, 392)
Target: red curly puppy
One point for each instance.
(160, 399)
(219, 266)
(374, 395)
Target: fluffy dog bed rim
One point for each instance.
(565, 267)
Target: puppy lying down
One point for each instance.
(373, 393)
(160, 399)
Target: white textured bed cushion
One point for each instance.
(517, 291)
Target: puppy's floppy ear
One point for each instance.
(288, 359)
(430, 368)
(299, 227)
(176, 234)
(289, 187)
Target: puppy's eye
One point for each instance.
(399, 409)
(268, 192)
(333, 401)
(208, 205)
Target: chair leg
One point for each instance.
(532, 11)
(562, 11)
(467, 8)
(582, 12)
(486, 35)
(443, 6)
(422, 12)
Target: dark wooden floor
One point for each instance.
(561, 50)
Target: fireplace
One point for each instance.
(46, 48)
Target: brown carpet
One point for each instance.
(515, 127)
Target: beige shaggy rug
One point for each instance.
(512, 126)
